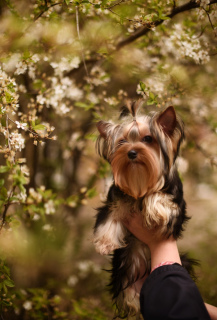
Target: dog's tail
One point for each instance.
(189, 264)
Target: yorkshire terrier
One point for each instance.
(142, 151)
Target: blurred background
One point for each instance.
(63, 66)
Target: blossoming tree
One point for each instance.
(63, 65)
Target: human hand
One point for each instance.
(162, 249)
(135, 224)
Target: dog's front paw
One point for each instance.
(105, 246)
(109, 236)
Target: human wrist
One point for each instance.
(164, 251)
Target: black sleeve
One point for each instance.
(170, 293)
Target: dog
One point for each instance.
(142, 151)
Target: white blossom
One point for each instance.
(112, 101)
(21, 67)
(27, 305)
(182, 165)
(61, 89)
(65, 64)
(31, 71)
(8, 88)
(17, 141)
(25, 170)
(21, 125)
(47, 227)
(72, 281)
(22, 88)
(36, 217)
(11, 62)
(182, 45)
(49, 207)
(40, 99)
(86, 266)
(98, 76)
(35, 58)
(35, 195)
(22, 196)
(204, 3)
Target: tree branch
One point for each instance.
(192, 4)
(46, 9)
(144, 30)
(7, 205)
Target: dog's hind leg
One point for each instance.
(130, 266)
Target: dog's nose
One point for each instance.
(132, 154)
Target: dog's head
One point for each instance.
(142, 149)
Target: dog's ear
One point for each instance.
(167, 120)
(103, 128)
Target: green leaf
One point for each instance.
(67, 2)
(151, 95)
(4, 169)
(2, 181)
(9, 98)
(9, 283)
(3, 193)
(6, 270)
(142, 86)
(4, 287)
(163, 16)
(39, 127)
(84, 105)
(10, 87)
(150, 102)
(91, 136)
(91, 193)
(26, 55)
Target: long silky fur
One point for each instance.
(125, 271)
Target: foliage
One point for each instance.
(63, 66)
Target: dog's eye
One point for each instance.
(122, 141)
(147, 139)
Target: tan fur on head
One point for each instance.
(134, 106)
(140, 176)
(137, 177)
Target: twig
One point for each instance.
(6, 207)
(8, 134)
(210, 21)
(46, 9)
(128, 19)
(144, 30)
(115, 4)
(201, 33)
(78, 32)
(35, 134)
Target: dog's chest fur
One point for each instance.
(156, 208)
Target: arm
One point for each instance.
(212, 311)
(161, 249)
